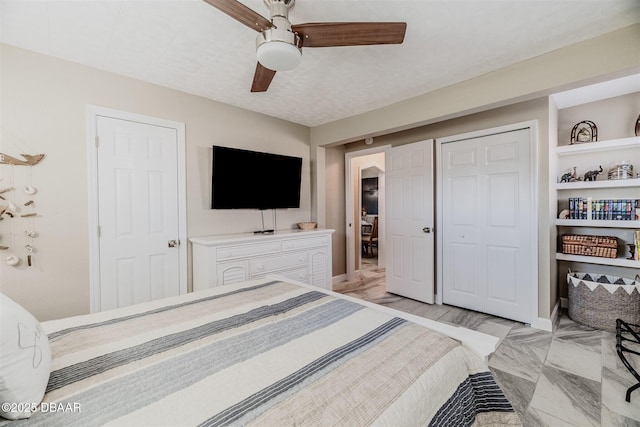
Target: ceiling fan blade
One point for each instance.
(262, 79)
(242, 13)
(326, 34)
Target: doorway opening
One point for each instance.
(364, 172)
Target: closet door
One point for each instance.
(487, 215)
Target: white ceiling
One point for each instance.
(190, 46)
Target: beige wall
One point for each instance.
(335, 206)
(43, 111)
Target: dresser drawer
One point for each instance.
(241, 251)
(293, 244)
(263, 265)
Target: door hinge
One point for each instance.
(99, 231)
(97, 141)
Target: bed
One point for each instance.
(268, 353)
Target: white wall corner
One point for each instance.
(339, 278)
(547, 324)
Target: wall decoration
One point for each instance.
(638, 125)
(5, 159)
(585, 131)
(17, 209)
(370, 195)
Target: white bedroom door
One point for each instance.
(487, 216)
(138, 212)
(410, 219)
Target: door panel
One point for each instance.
(138, 212)
(464, 279)
(487, 211)
(502, 195)
(501, 273)
(410, 219)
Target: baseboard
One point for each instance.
(564, 302)
(339, 278)
(547, 324)
(543, 324)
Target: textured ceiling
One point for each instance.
(190, 46)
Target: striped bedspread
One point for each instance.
(265, 353)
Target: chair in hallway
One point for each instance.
(370, 240)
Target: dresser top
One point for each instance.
(252, 237)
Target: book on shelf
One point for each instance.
(603, 209)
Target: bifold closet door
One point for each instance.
(487, 210)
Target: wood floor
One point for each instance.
(569, 377)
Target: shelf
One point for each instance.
(593, 147)
(605, 183)
(616, 262)
(597, 223)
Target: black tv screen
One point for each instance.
(244, 179)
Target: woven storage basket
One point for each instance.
(597, 300)
(601, 246)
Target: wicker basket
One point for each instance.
(601, 246)
(597, 300)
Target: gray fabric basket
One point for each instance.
(597, 300)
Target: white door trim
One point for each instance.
(349, 206)
(92, 113)
(533, 127)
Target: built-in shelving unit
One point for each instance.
(610, 183)
(597, 223)
(590, 156)
(616, 262)
(593, 147)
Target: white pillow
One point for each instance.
(25, 360)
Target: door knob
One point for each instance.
(426, 230)
(173, 243)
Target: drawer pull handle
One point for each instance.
(260, 267)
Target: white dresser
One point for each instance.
(301, 255)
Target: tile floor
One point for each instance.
(571, 377)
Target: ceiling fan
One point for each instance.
(279, 44)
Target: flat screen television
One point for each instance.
(244, 179)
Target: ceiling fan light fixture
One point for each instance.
(278, 50)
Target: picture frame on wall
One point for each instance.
(370, 195)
